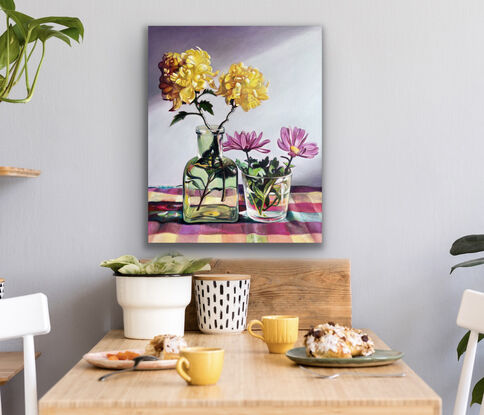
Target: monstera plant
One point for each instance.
(468, 245)
(22, 37)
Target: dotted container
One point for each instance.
(222, 302)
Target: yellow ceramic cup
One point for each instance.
(200, 365)
(278, 332)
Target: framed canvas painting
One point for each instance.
(234, 134)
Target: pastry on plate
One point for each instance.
(333, 340)
(166, 347)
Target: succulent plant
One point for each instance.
(170, 263)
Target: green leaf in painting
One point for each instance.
(206, 106)
(468, 244)
(462, 346)
(470, 263)
(178, 117)
(478, 392)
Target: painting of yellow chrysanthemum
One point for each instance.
(244, 86)
(234, 134)
(184, 74)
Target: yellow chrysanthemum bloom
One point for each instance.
(184, 74)
(194, 75)
(170, 91)
(243, 85)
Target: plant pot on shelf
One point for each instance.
(153, 304)
(222, 301)
(2, 287)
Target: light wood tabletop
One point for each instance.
(253, 382)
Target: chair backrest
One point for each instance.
(26, 317)
(470, 317)
(471, 311)
(22, 316)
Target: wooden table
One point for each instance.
(253, 382)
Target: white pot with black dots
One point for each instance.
(222, 302)
(2, 287)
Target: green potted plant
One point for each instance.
(22, 36)
(155, 293)
(469, 244)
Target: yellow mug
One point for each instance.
(278, 332)
(200, 365)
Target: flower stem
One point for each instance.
(228, 115)
(197, 105)
(248, 159)
(288, 166)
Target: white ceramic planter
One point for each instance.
(2, 287)
(222, 302)
(153, 305)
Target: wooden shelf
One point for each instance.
(18, 172)
(11, 363)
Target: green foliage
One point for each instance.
(462, 346)
(22, 35)
(263, 168)
(170, 263)
(178, 117)
(478, 392)
(7, 4)
(467, 245)
(470, 263)
(116, 264)
(206, 106)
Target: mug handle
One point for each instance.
(249, 329)
(180, 364)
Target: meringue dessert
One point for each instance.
(333, 340)
(166, 347)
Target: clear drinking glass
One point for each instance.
(267, 198)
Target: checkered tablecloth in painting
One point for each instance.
(303, 222)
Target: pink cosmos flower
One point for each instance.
(294, 142)
(246, 142)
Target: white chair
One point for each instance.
(26, 317)
(471, 317)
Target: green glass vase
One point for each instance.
(210, 182)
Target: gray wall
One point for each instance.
(402, 167)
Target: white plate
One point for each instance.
(100, 359)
